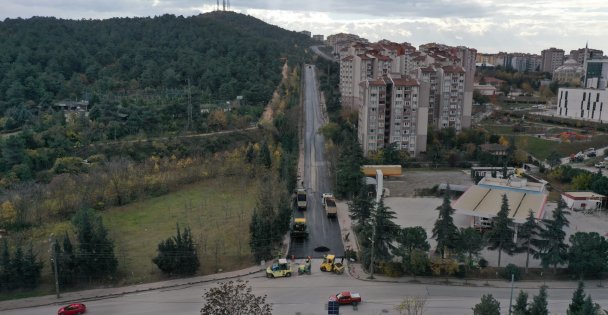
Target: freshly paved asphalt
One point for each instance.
(323, 231)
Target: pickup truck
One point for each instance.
(346, 298)
(329, 203)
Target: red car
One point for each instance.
(72, 309)
(346, 297)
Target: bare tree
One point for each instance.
(234, 298)
(411, 305)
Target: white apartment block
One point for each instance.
(584, 104)
(393, 110)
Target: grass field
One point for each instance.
(541, 148)
(217, 210)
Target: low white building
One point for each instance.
(482, 202)
(584, 104)
(583, 200)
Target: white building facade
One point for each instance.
(584, 104)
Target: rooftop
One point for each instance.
(486, 202)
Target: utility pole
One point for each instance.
(371, 264)
(189, 122)
(511, 299)
(56, 272)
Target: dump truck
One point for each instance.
(301, 199)
(329, 203)
(299, 228)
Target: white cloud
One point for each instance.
(488, 25)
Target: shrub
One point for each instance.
(511, 269)
(350, 254)
(482, 263)
(391, 269)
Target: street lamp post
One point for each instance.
(55, 270)
(371, 264)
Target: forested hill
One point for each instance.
(223, 54)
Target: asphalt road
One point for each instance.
(307, 295)
(323, 231)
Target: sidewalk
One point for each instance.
(93, 294)
(355, 270)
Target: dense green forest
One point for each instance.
(142, 77)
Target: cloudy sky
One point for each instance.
(488, 25)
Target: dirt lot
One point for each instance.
(406, 185)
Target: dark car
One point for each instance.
(72, 309)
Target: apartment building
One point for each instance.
(551, 59)
(452, 97)
(579, 54)
(393, 111)
(411, 89)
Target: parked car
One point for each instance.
(72, 309)
(600, 165)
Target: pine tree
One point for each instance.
(445, 231)
(5, 266)
(590, 308)
(488, 306)
(578, 299)
(17, 268)
(31, 269)
(521, 304)
(264, 157)
(67, 261)
(261, 235)
(387, 231)
(539, 303)
(501, 235)
(553, 249)
(527, 236)
(177, 254)
(95, 257)
(360, 209)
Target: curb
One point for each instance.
(114, 295)
(469, 284)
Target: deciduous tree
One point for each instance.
(588, 254)
(234, 298)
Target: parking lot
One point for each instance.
(412, 180)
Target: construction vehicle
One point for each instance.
(329, 264)
(301, 199)
(329, 203)
(306, 267)
(280, 268)
(299, 229)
